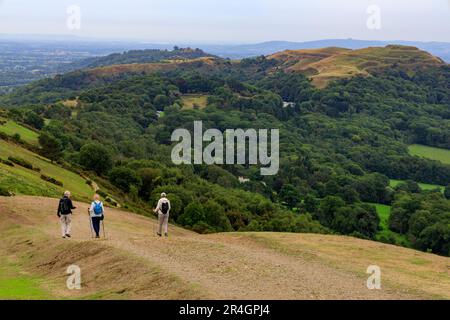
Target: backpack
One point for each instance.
(98, 208)
(64, 206)
(165, 207)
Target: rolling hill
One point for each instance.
(139, 57)
(134, 264)
(328, 64)
(439, 49)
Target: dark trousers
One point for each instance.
(96, 225)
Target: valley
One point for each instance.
(363, 176)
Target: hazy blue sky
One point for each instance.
(228, 21)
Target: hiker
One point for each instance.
(64, 213)
(163, 209)
(97, 214)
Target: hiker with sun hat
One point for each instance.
(163, 210)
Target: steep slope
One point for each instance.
(22, 180)
(133, 263)
(325, 65)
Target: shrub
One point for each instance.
(51, 180)
(102, 194)
(4, 192)
(7, 162)
(21, 162)
(111, 201)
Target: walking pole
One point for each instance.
(90, 223)
(104, 231)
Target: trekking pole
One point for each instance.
(104, 231)
(90, 223)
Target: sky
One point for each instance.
(229, 21)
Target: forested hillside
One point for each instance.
(342, 143)
(137, 56)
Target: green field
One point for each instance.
(11, 128)
(17, 285)
(442, 155)
(384, 213)
(24, 181)
(423, 186)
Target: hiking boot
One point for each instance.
(68, 235)
(166, 235)
(159, 234)
(63, 237)
(97, 237)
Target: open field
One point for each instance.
(423, 186)
(25, 181)
(384, 213)
(192, 100)
(11, 128)
(132, 263)
(442, 155)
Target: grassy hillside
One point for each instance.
(17, 284)
(25, 181)
(442, 155)
(134, 264)
(325, 65)
(12, 128)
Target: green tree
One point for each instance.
(96, 157)
(447, 192)
(216, 217)
(161, 101)
(33, 119)
(51, 147)
(124, 178)
(193, 214)
(289, 195)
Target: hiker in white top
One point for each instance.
(163, 210)
(96, 212)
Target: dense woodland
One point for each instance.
(340, 146)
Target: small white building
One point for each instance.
(288, 104)
(243, 180)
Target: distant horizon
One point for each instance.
(33, 36)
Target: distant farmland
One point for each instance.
(442, 155)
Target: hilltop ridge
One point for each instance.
(328, 64)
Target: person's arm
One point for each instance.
(58, 213)
(91, 209)
(71, 204)
(170, 207)
(158, 206)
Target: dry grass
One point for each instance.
(191, 101)
(134, 263)
(328, 64)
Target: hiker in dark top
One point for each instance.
(163, 210)
(64, 213)
(97, 212)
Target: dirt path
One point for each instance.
(229, 266)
